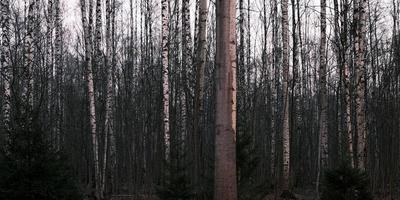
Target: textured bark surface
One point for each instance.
(360, 11)
(347, 84)
(59, 72)
(27, 90)
(285, 88)
(225, 139)
(323, 91)
(109, 145)
(323, 104)
(186, 68)
(165, 75)
(87, 28)
(200, 64)
(5, 56)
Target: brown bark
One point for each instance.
(225, 139)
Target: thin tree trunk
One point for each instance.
(225, 139)
(286, 130)
(201, 59)
(323, 104)
(186, 66)
(49, 63)
(347, 84)
(6, 64)
(59, 70)
(27, 91)
(108, 119)
(87, 28)
(165, 76)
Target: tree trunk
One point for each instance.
(225, 139)
(286, 130)
(165, 75)
(360, 46)
(27, 91)
(347, 83)
(87, 28)
(201, 61)
(6, 64)
(59, 70)
(323, 104)
(108, 119)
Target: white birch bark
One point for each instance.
(360, 47)
(109, 149)
(286, 130)
(87, 28)
(6, 63)
(165, 74)
(27, 90)
(323, 104)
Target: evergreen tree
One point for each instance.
(346, 183)
(30, 169)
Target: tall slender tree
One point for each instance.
(225, 124)
(346, 82)
(59, 70)
(6, 63)
(165, 74)
(87, 29)
(200, 64)
(285, 88)
(27, 90)
(323, 104)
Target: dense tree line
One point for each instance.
(222, 99)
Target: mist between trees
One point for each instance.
(199, 99)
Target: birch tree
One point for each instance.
(27, 88)
(165, 74)
(87, 29)
(6, 63)
(200, 64)
(109, 149)
(346, 82)
(360, 12)
(285, 88)
(323, 104)
(225, 124)
(59, 70)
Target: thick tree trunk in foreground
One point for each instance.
(360, 46)
(286, 130)
(225, 139)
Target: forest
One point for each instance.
(200, 99)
